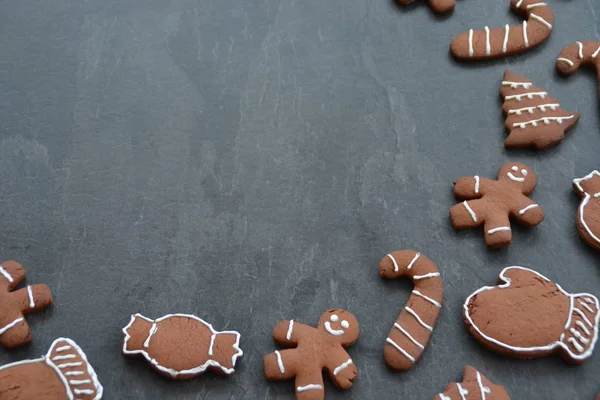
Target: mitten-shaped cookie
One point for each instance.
(528, 316)
(475, 386)
(14, 330)
(588, 214)
(181, 346)
(316, 349)
(64, 373)
(491, 202)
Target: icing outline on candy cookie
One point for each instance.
(558, 343)
(170, 371)
(585, 201)
(57, 367)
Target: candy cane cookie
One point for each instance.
(413, 327)
(498, 42)
(438, 6)
(577, 54)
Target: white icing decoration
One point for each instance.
(342, 366)
(400, 349)
(582, 315)
(529, 7)
(596, 52)
(300, 389)
(470, 210)
(514, 168)
(73, 373)
(579, 336)
(212, 344)
(514, 85)
(583, 327)
(6, 275)
(587, 299)
(519, 3)
(63, 348)
(529, 207)
(584, 202)
(408, 335)
(546, 120)
(514, 178)
(345, 324)
(531, 110)
(429, 275)
(462, 391)
(499, 229)
(505, 43)
(65, 357)
(580, 49)
(476, 184)
(69, 365)
(334, 318)
(429, 299)
(586, 306)
(30, 296)
(524, 172)
(470, 42)
(483, 390)
(444, 397)
(529, 95)
(279, 362)
(542, 20)
(153, 330)
(571, 63)
(549, 347)
(414, 314)
(173, 372)
(576, 344)
(83, 391)
(396, 268)
(525, 38)
(288, 336)
(488, 47)
(415, 258)
(331, 331)
(7, 327)
(79, 381)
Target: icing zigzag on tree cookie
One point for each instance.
(533, 118)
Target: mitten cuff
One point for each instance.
(581, 330)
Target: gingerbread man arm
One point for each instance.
(526, 211)
(33, 298)
(11, 274)
(472, 187)
(289, 332)
(341, 368)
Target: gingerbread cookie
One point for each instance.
(439, 6)
(533, 118)
(528, 316)
(316, 349)
(500, 42)
(475, 386)
(64, 373)
(413, 328)
(490, 202)
(14, 329)
(588, 214)
(181, 346)
(577, 54)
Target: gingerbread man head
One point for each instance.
(519, 176)
(341, 325)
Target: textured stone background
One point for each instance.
(250, 161)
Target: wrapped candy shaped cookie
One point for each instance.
(529, 316)
(64, 373)
(181, 346)
(474, 386)
(588, 213)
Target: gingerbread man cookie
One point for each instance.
(533, 118)
(529, 316)
(413, 328)
(577, 54)
(439, 6)
(500, 42)
(14, 330)
(181, 346)
(64, 373)
(475, 386)
(317, 349)
(490, 203)
(588, 214)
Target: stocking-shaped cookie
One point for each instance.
(317, 349)
(528, 316)
(14, 330)
(475, 386)
(491, 202)
(64, 373)
(588, 214)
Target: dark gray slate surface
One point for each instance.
(250, 161)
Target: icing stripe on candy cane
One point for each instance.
(413, 327)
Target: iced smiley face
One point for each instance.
(340, 324)
(518, 174)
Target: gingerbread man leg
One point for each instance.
(281, 365)
(15, 334)
(497, 231)
(468, 214)
(309, 384)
